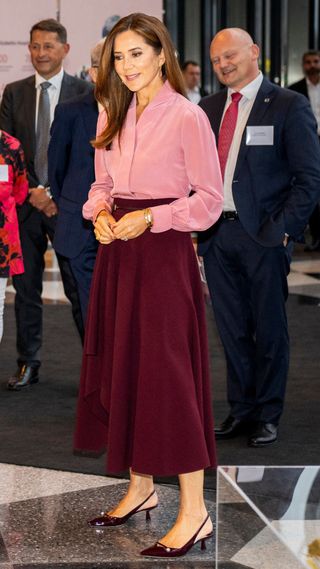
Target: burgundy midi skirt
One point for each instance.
(145, 383)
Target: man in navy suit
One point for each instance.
(71, 173)
(309, 86)
(271, 183)
(21, 115)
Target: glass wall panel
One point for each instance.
(192, 22)
(284, 30)
(237, 13)
(298, 31)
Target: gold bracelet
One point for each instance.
(148, 217)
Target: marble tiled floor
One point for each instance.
(43, 517)
(43, 512)
(304, 278)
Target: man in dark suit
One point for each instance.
(26, 111)
(71, 173)
(271, 183)
(192, 76)
(311, 71)
(309, 86)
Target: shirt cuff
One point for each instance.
(162, 218)
(101, 206)
(38, 187)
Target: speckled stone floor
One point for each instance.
(43, 512)
(43, 517)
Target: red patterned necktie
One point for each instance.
(227, 130)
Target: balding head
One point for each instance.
(234, 57)
(95, 55)
(236, 34)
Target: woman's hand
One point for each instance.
(103, 227)
(130, 225)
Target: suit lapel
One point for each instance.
(305, 88)
(221, 98)
(261, 105)
(66, 91)
(30, 112)
(90, 116)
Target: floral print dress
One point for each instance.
(13, 192)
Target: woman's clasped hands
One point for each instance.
(107, 229)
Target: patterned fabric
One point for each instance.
(227, 131)
(13, 191)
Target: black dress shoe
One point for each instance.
(264, 434)
(315, 246)
(25, 376)
(231, 427)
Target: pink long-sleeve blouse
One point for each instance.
(170, 151)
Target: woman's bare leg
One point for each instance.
(140, 487)
(192, 511)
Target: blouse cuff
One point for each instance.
(162, 218)
(99, 207)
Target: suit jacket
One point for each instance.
(203, 92)
(300, 87)
(71, 170)
(17, 113)
(275, 187)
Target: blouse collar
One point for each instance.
(163, 95)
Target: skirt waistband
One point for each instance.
(132, 205)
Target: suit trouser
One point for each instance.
(35, 229)
(314, 224)
(3, 284)
(82, 268)
(248, 288)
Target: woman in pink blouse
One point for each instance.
(145, 385)
(13, 192)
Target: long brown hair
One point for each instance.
(111, 92)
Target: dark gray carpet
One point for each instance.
(36, 425)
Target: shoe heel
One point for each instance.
(203, 541)
(148, 517)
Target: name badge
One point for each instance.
(259, 136)
(4, 173)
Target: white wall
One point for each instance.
(84, 20)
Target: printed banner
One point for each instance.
(17, 17)
(86, 22)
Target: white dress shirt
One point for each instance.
(53, 92)
(249, 93)
(194, 95)
(314, 97)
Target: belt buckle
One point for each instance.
(230, 215)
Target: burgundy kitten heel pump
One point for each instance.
(106, 520)
(160, 550)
